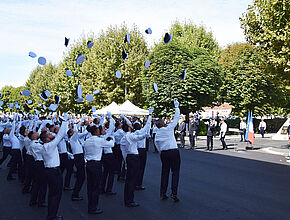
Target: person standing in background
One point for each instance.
(193, 129)
(243, 127)
(262, 127)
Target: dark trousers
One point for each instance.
(262, 131)
(147, 144)
(28, 173)
(170, 160)
(79, 162)
(66, 163)
(108, 172)
(181, 137)
(94, 175)
(209, 142)
(223, 142)
(6, 152)
(192, 140)
(39, 183)
(16, 164)
(155, 149)
(133, 163)
(54, 180)
(243, 133)
(118, 158)
(23, 153)
(143, 159)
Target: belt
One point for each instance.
(51, 168)
(169, 150)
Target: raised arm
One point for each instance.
(173, 124)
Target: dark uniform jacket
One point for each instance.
(210, 130)
(193, 126)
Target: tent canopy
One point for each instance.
(128, 108)
(113, 108)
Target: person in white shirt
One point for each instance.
(93, 153)
(39, 183)
(262, 127)
(52, 171)
(79, 161)
(223, 131)
(6, 145)
(170, 158)
(243, 127)
(141, 145)
(16, 154)
(130, 154)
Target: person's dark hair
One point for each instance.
(30, 135)
(107, 124)
(137, 126)
(48, 125)
(117, 124)
(125, 127)
(88, 128)
(93, 130)
(42, 136)
(22, 130)
(69, 132)
(95, 121)
(159, 123)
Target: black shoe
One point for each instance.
(67, 188)
(77, 198)
(97, 211)
(110, 193)
(164, 197)
(175, 198)
(132, 204)
(192, 148)
(11, 178)
(59, 217)
(32, 204)
(140, 188)
(42, 205)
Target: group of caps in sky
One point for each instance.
(79, 60)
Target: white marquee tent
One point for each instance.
(127, 108)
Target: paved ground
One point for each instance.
(213, 185)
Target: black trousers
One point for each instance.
(54, 179)
(39, 183)
(147, 143)
(66, 163)
(6, 152)
(143, 159)
(182, 142)
(79, 162)
(209, 142)
(94, 175)
(108, 172)
(223, 142)
(133, 163)
(118, 158)
(262, 131)
(28, 173)
(16, 164)
(155, 149)
(170, 160)
(243, 133)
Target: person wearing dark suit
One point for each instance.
(181, 131)
(193, 128)
(210, 134)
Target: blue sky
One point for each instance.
(40, 26)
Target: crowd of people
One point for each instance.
(96, 147)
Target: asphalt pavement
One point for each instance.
(232, 184)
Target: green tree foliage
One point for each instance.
(266, 24)
(246, 86)
(168, 62)
(11, 94)
(192, 36)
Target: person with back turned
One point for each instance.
(169, 154)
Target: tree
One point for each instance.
(192, 36)
(266, 24)
(168, 62)
(246, 86)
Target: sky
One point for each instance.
(40, 26)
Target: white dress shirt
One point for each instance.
(93, 147)
(62, 146)
(36, 150)
(15, 144)
(165, 139)
(50, 151)
(146, 129)
(119, 134)
(262, 125)
(25, 142)
(76, 147)
(243, 125)
(6, 141)
(223, 130)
